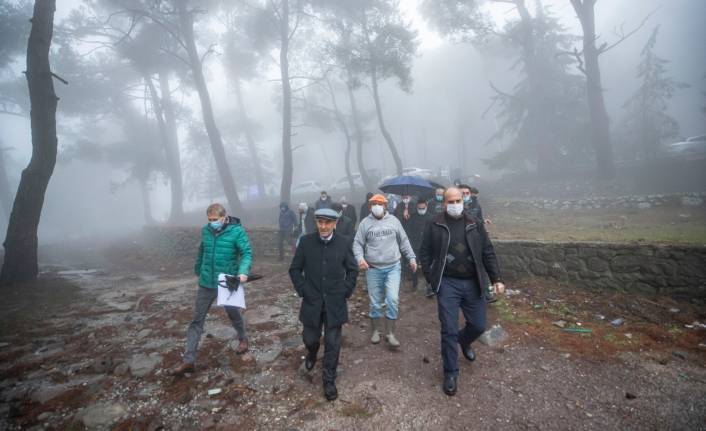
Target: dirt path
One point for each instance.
(91, 349)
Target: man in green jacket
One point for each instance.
(224, 249)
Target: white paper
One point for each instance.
(225, 297)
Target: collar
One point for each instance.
(327, 239)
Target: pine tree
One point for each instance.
(646, 123)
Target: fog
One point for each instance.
(112, 161)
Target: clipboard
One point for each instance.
(228, 298)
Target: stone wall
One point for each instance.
(664, 269)
(597, 202)
(180, 241)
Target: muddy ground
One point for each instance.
(89, 345)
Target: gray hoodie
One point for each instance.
(379, 241)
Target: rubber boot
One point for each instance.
(375, 336)
(390, 330)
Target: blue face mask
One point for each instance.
(216, 224)
(439, 198)
(466, 199)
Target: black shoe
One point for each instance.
(429, 293)
(330, 391)
(450, 385)
(310, 361)
(468, 351)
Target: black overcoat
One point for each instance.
(324, 276)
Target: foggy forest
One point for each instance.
(135, 133)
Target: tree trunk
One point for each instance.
(186, 22)
(172, 148)
(600, 123)
(146, 205)
(536, 111)
(5, 192)
(175, 184)
(383, 128)
(287, 168)
(367, 182)
(21, 242)
(344, 128)
(252, 147)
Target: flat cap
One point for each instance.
(326, 213)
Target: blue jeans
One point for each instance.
(455, 293)
(384, 287)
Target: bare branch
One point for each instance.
(623, 36)
(579, 58)
(65, 82)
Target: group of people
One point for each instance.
(445, 237)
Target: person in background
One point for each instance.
(345, 225)
(306, 223)
(436, 205)
(376, 247)
(324, 200)
(324, 273)
(365, 206)
(348, 210)
(415, 230)
(225, 249)
(455, 252)
(287, 221)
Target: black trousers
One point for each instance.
(332, 345)
(282, 240)
(455, 294)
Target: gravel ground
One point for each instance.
(89, 348)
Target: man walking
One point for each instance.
(224, 249)
(455, 251)
(324, 274)
(415, 231)
(376, 247)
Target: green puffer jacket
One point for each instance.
(225, 251)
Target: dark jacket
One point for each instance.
(415, 228)
(435, 207)
(323, 204)
(349, 212)
(473, 208)
(324, 276)
(287, 220)
(435, 244)
(345, 227)
(364, 211)
(226, 251)
(399, 212)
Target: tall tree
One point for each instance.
(647, 120)
(241, 59)
(382, 46)
(186, 14)
(589, 64)
(20, 263)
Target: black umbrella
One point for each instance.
(407, 185)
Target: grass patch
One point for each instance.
(506, 313)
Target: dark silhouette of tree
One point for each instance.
(647, 123)
(20, 263)
(589, 65)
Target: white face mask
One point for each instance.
(421, 211)
(405, 200)
(454, 210)
(377, 210)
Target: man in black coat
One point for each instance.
(415, 230)
(324, 273)
(455, 252)
(345, 226)
(349, 210)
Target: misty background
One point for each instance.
(111, 176)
